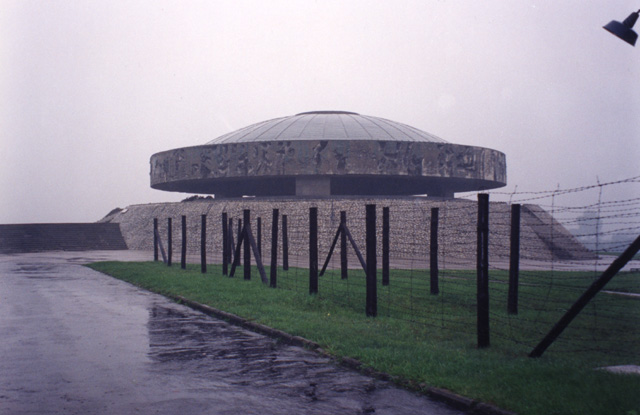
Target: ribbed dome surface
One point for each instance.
(327, 125)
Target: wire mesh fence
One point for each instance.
(563, 248)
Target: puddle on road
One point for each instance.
(181, 339)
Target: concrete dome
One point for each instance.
(327, 125)
(328, 153)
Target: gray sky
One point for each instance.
(90, 89)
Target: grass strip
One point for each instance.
(561, 382)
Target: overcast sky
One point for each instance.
(89, 90)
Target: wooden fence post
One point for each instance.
(313, 250)
(247, 244)
(587, 296)
(285, 244)
(385, 246)
(273, 274)
(433, 252)
(371, 264)
(225, 245)
(232, 245)
(514, 260)
(343, 246)
(238, 247)
(169, 242)
(259, 236)
(203, 245)
(483, 271)
(155, 239)
(183, 258)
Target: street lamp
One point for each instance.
(624, 30)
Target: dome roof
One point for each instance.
(327, 125)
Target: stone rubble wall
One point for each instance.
(542, 237)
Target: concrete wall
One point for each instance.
(39, 237)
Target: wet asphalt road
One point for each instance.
(74, 341)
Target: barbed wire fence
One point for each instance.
(564, 246)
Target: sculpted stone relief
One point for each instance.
(328, 157)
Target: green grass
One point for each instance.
(431, 338)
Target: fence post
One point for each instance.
(587, 296)
(514, 260)
(285, 244)
(169, 242)
(313, 250)
(247, 247)
(203, 245)
(385, 246)
(155, 239)
(225, 244)
(232, 246)
(372, 295)
(183, 258)
(343, 246)
(483, 271)
(433, 252)
(238, 249)
(259, 236)
(273, 274)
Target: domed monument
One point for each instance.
(328, 153)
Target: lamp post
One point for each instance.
(624, 30)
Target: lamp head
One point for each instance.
(624, 30)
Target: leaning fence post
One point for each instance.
(183, 259)
(372, 295)
(225, 244)
(169, 242)
(587, 296)
(313, 250)
(433, 251)
(514, 260)
(155, 239)
(247, 247)
(483, 271)
(285, 244)
(343, 246)
(385, 246)
(203, 245)
(273, 274)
